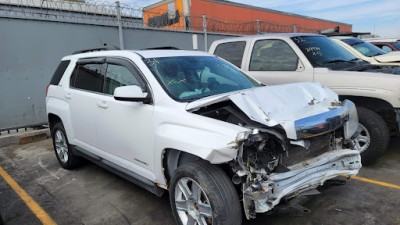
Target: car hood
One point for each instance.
(388, 57)
(277, 105)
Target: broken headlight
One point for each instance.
(350, 127)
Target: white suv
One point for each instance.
(193, 124)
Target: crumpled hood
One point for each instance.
(389, 57)
(279, 104)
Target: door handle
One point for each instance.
(68, 96)
(102, 104)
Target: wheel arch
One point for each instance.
(380, 106)
(53, 119)
(174, 158)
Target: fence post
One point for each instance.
(120, 34)
(258, 26)
(205, 32)
(294, 28)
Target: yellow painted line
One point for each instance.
(33, 206)
(376, 182)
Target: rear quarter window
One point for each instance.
(232, 52)
(59, 72)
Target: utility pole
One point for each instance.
(120, 34)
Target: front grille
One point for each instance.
(318, 146)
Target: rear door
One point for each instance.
(86, 86)
(274, 61)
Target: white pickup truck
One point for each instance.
(293, 57)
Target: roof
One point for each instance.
(381, 39)
(277, 35)
(142, 53)
(169, 53)
(249, 7)
(344, 37)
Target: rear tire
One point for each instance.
(374, 128)
(62, 148)
(202, 192)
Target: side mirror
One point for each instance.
(131, 93)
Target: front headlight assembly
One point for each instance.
(351, 125)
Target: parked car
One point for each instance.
(386, 44)
(368, 52)
(292, 57)
(195, 125)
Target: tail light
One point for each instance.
(47, 89)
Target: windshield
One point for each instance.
(188, 78)
(322, 51)
(364, 48)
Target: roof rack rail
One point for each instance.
(162, 48)
(103, 48)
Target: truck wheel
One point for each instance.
(373, 139)
(63, 149)
(201, 193)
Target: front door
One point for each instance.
(125, 129)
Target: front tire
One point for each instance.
(201, 193)
(374, 136)
(62, 148)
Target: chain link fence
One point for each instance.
(133, 16)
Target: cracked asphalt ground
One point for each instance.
(92, 195)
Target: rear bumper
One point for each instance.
(305, 176)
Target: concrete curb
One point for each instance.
(24, 137)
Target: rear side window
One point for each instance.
(232, 52)
(59, 72)
(273, 55)
(88, 77)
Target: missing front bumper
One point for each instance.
(302, 177)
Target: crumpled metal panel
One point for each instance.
(279, 104)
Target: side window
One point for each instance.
(88, 77)
(59, 72)
(117, 76)
(232, 52)
(386, 48)
(273, 55)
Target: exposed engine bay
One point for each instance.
(270, 166)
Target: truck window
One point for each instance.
(272, 55)
(232, 52)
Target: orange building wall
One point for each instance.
(156, 11)
(200, 7)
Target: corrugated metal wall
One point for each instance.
(30, 50)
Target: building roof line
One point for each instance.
(251, 7)
(273, 11)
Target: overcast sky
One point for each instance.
(376, 16)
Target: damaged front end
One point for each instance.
(270, 167)
(294, 155)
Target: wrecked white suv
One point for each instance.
(195, 125)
